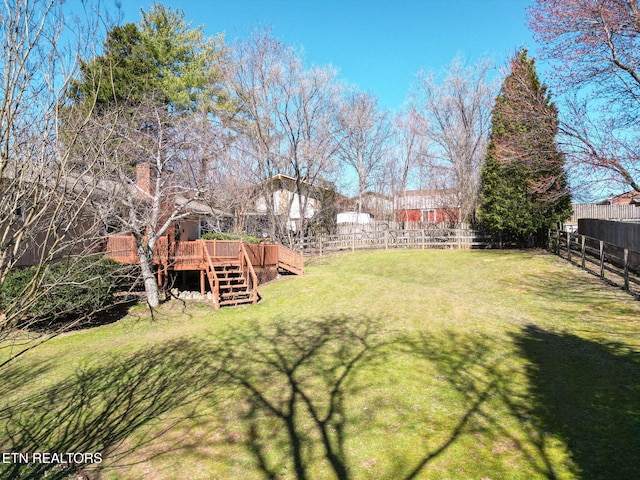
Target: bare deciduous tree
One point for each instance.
(456, 111)
(594, 47)
(290, 126)
(365, 141)
(404, 166)
(44, 214)
(170, 178)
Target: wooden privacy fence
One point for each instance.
(443, 238)
(617, 265)
(604, 212)
(623, 234)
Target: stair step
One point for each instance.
(230, 279)
(234, 289)
(228, 295)
(235, 302)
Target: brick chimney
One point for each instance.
(143, 178)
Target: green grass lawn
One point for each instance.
(375, 365)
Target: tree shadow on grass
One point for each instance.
(569, 292)
(496, 403)
(588, 393)
(295, 390)
(15, 376)
(298, 381)
(297, 378)
(98, 408)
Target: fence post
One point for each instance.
(601, 259)
(626, 269)
(569, 247)
(386, 239)
(558, 242)
(353, 241)
(583, 249)
(320, 240)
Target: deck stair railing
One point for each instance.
(248, 272)
(212, 276)
(290, 260)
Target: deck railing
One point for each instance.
(292, 261)
(186, 255)
(191, 254)
(122, 249)
(222, 248)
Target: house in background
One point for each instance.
(427, 206)
(627, 198)
(364, 208)
(354, 218)
(380, 206)
(282, 196)
(199, 217)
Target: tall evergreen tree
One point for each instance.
(524, 188)
(161, 56)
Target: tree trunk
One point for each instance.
(150, 283)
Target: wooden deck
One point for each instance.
(232, 269)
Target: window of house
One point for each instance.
(204, 227)
(429, 215)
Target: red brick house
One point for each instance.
(427, 206)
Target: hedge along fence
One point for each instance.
(618, 265)
(440, 238)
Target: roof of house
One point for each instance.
(290, 179)
(630, 197)
(426, 199)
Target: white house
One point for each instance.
(286, 201)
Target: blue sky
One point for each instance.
(377, 45)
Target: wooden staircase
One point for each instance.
(232, 282)
(233, 286)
